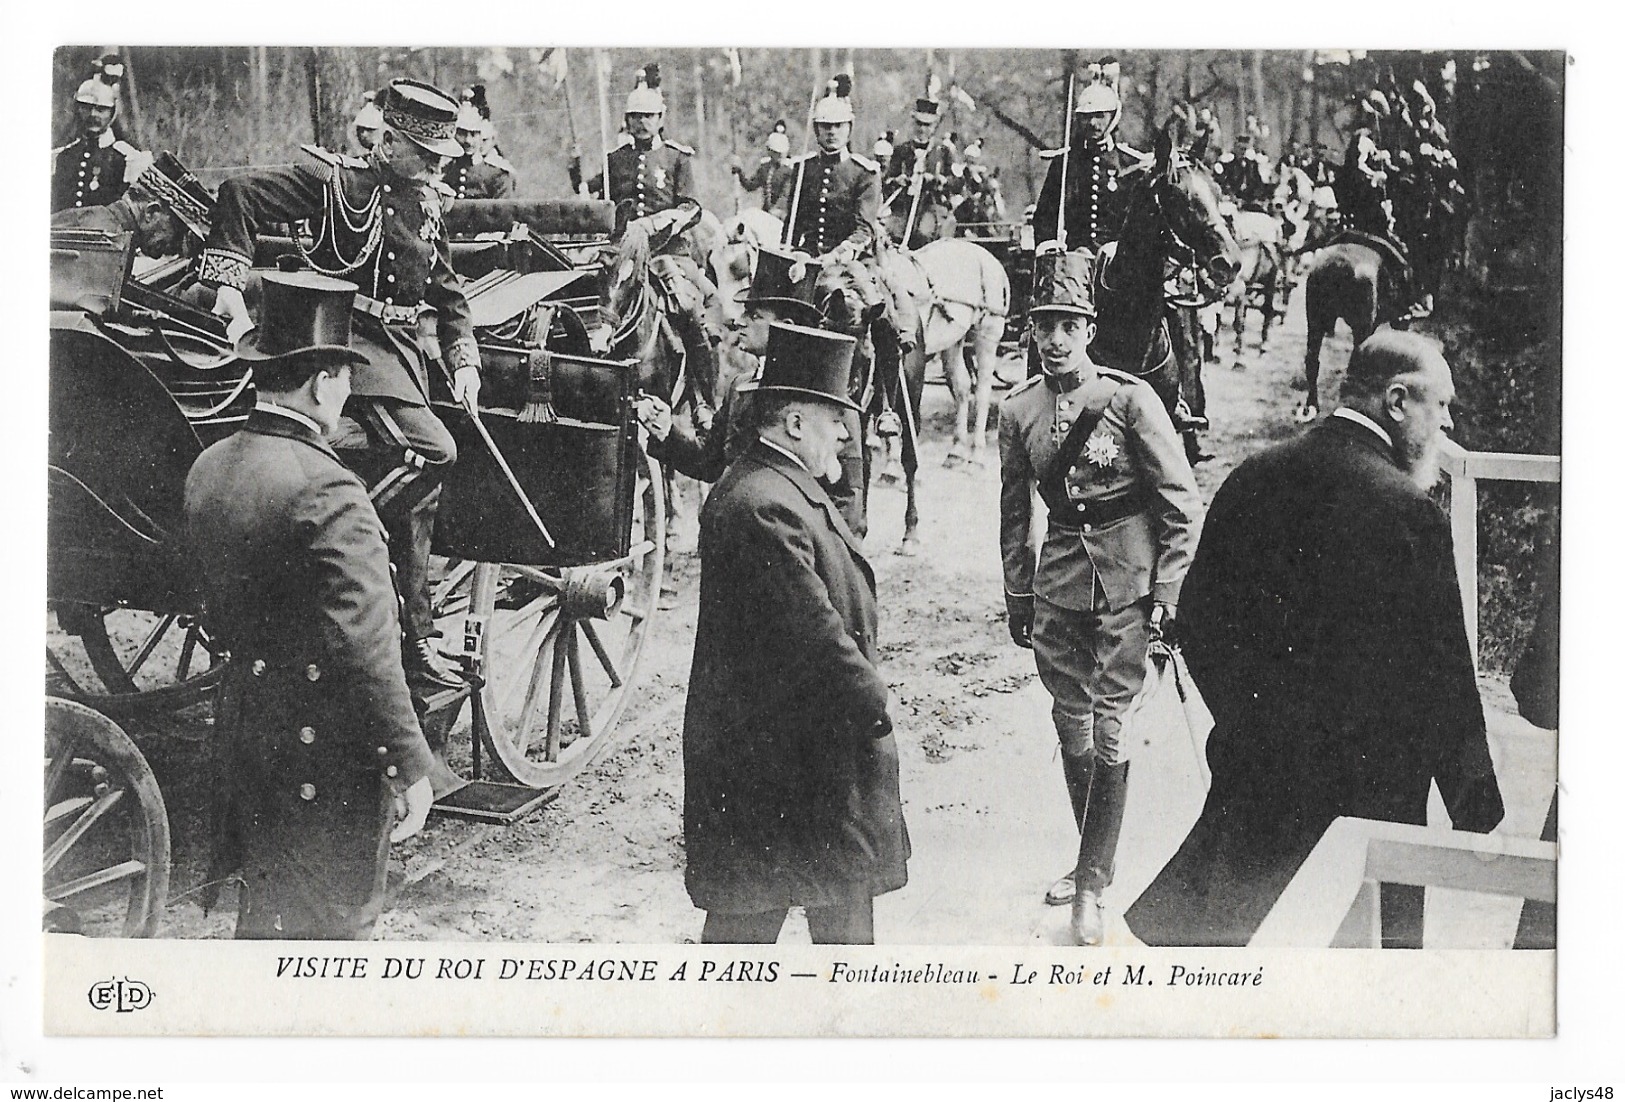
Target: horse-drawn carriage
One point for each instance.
(549, 537)
(1011, 243)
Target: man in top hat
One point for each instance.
(378, 221)
(1096, 166)
(368, 121)
(790, 779)
(831, 212)
(166, 208)
(781, 291)
(923, 165)
(649, 171)
(1122, 506)
(772, 173)
(94, 168)
(477, 174)
(290, 560)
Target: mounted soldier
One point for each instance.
(772, 173)
(1094, 164)
(832, 213)
(648, 170)
(94, 168)
(1363, 192)
(378, 222)
(475, 175)
(919, 176)
(1244, 173)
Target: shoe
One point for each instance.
(426, 669)
(1088, 919)
(1061, 892)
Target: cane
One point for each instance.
(473, 412)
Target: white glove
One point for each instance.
(412, 809)
(465, 387)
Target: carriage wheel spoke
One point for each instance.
(536, 644)
(57, 767)
(578, 687)
(62, 809)
(87, 819)
(122, 871)
(184, 666)
(591, 632)
(453, 579)
(62, 672)
(637, 614)
(151, 643)
(555, 691)
(529, 711)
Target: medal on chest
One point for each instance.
(660, 177)
(1101, 450)
(430, 230)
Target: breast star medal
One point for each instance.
(1101, 450)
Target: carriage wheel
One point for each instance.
(106, 829)
(561, 649)
(127, 662)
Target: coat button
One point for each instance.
(258, 668)
(392, 772)
(383, 751)
(386, 189)
(307, 735)
(307, 792)
(313, 672)
(389, 210)
(1088, 528)
(1064, 425)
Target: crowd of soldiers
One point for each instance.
(319, 588)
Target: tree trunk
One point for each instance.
(313, 89)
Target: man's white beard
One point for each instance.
(1424, 469)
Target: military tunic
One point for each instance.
(936, 172)
(1096, 194)
(480, 176)
(1246, 179)
(315, 718)
(372, 228)
(89, 173)
(771, 177)
(1128, 541)
(653, 179)
(839, 203)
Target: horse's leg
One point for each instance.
(985, 350)
(911, 387)
(1239, 323)
(960, 385)
(1319, 317)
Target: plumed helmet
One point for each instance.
(1378, 103)
(883, 146)
(370, 117)
(779, 140)
(97, 93)
(469, 118)
(836, 106)
(646, 98)
(1096, 97)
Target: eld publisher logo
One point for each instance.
(119, 995)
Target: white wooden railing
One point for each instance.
(1466, 470)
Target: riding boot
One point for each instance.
(1097, 851)
(409, 551)
(1079, 771)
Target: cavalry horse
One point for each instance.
(1258, 236)
(1352, 280)
(1172, 217)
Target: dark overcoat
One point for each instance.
(315, 717)
(1322, 623)
(789, 767)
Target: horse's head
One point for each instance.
(840, 300)
(1188, 200)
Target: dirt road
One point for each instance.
(982, 790)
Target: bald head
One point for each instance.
(1401, 381)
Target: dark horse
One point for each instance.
(1352, 281)
(1172, 218)
(888, 392)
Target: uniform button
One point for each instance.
(389, 302)
(307, 792)
(383, 751)
(390, 256)
(389, 210)
(392, 772)
(386, 189)
(1064, 425)
(1088, 528)
(258, 667)
(313, 672)
(307, 735)
(389, 279)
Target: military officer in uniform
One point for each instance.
(368, 121)
(475, 175)
(771, 176)
(93, 169)
(379, 222)
(1095, 164)
(289, 559)
(649, 171)
(1122, 506)
(1244, 173)
(166, 208)
(832, 213)
(923, 165)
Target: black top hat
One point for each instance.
(304, 317)
(423, 113)
(1063, 282)
(926, 108)
(786, 283)
(806, 363)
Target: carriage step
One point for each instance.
(495, 802)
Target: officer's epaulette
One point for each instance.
(865, 162)
(125, 148)
(1051, 154)
(1120, 376)
(329, 158)
(498, 161)
(679, 146)
(1135, 153)
(1025, 384)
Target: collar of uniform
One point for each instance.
(1359, 418)
(655, 143)
(838, 155)
(263, 406)
(786, 452)
(1064, 383)
(105, 138)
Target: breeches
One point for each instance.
(1093, 665)
(406, 452)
